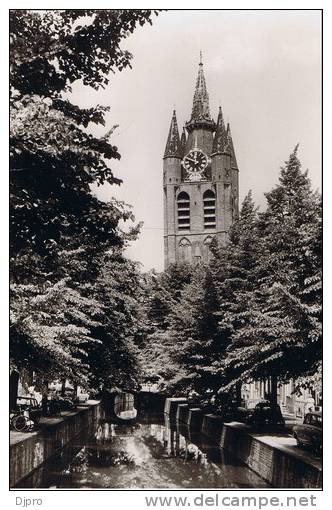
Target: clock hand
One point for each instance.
(191, 159)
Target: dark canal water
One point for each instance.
(140, 453)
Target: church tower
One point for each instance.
(200, 181)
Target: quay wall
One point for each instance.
(29, 450)
(281, 466)
(276, 459)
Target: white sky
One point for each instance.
(263, 67)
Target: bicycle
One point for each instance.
(20, 421)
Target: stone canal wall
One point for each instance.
(276, 458)
(29, 450)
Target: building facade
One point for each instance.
(200, 181)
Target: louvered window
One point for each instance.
(183, 202)
(209, 206)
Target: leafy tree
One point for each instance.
(113, 361)
(164, 292)
(281, 331)
(235, 270)
(52, 327)
(54, 160)
(197, 347)
(293, 234)
(160, 294)
(60, 231)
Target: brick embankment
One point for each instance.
(29, 450)
(274, 457)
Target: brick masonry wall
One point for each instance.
(36, 447)
(223, 181)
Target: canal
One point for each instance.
(145, 451)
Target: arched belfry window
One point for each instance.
(209, 206)
(185, 250)
(183, 202)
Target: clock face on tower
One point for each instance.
(195, 163)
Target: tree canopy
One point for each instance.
(62, 235)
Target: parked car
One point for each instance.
(251, 403)
(226, 406)
(203, 401)
(232, 412)
(222, 404)
(310, 432)
(82, 397)
(67, 403)
(54, 404)
(266, 416)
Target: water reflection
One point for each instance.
(151, 453)
(124, 406)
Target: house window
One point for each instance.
(183, 202)
(209, 207)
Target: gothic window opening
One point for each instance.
(206, 249)
(183, 202)
(185, 250)
(197, 253)
(209, 206)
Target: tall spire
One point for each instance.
(201, 108)
(173, 145)
(201, 111)
(231, 147)
(220, 138)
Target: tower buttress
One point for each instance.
(171, 180)
(234, 175)
(220, 173)
(231, 147)
(183, 141)
(173, 144)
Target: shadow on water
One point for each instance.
(131, 449)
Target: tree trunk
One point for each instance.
(274, 390)
(63, 387)
(238, 394)
(13, 388)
